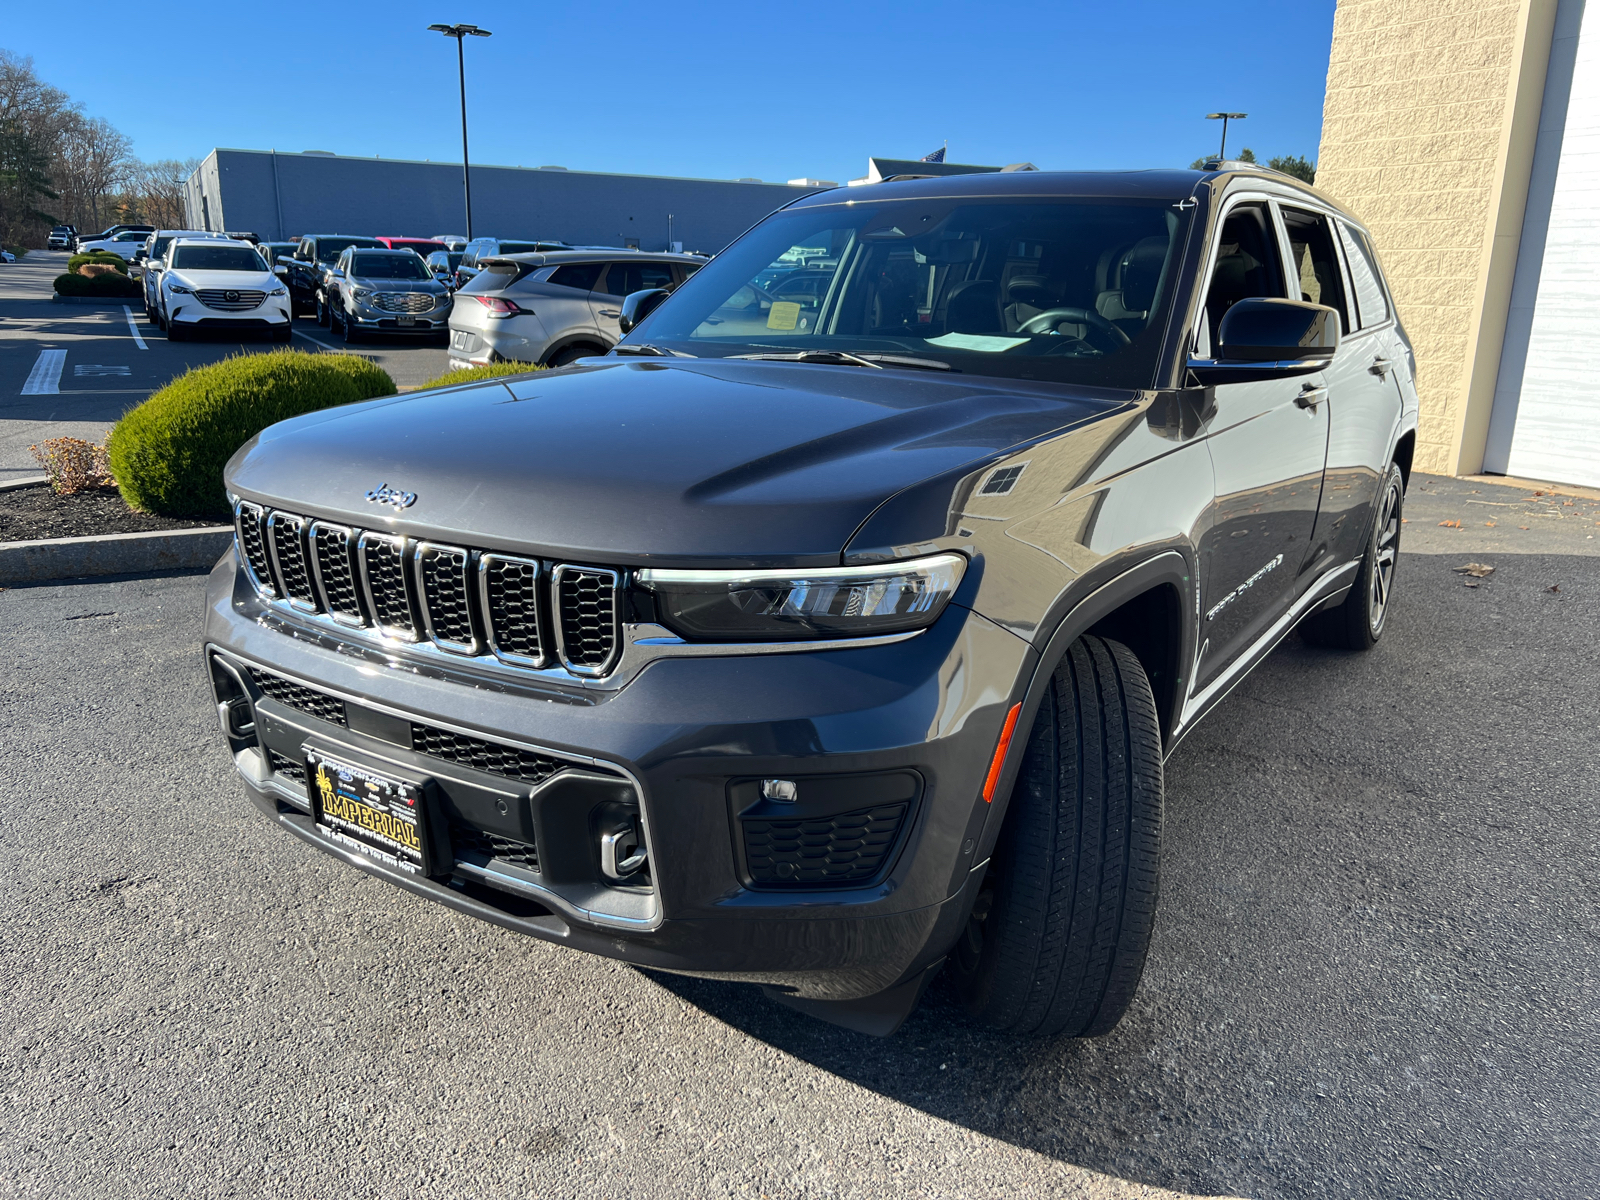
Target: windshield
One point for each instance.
(329, 249)
(420, 245)
(217, 258)
(389, 266)
(1053, 289)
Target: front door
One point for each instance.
(1268, 443)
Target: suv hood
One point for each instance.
(632, 463)
(238, 281)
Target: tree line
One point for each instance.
(58, 165)
(1299, 165)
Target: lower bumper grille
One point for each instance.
(297, 696)
(492, 845)
(285, 766)
(824, 852)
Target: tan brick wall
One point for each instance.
(1428, 127)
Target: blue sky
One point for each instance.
(767, 90)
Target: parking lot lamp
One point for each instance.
(1223, 117)
(459, 32)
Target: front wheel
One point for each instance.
(1357, 622)
(324, 313)
(1061, 926)
(347, 327)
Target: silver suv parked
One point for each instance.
(385, 291)
(553, 308)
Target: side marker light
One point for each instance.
(1010, 728)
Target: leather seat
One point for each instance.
(1136, 276)
(973, 306)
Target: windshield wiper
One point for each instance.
(648, 348)
(843, 358)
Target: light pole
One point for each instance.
(1223, 117)
(459, 32)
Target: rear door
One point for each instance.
(1268, 443)
(1363, 395)
(621, 280)
(566, 302)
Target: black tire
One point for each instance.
(572, 354)
(324, 312)
(1061, 927)
(1358, 622)
(175, 332)
(285, 335)
(347, 327)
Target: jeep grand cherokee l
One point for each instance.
(822, 642)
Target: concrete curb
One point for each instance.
(113, 300)
(112, 554)
(11, 485)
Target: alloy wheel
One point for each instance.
(1386, 545)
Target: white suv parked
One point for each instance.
(155, 253)
(221, 284)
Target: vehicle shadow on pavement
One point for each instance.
(1373, 967)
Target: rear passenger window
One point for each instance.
(624, 279)
(1315, 261)
(582, 276)
(1371, 304)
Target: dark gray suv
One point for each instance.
(827, 640)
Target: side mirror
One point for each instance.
(280, 269)
(639, 305)
(1270, 339)
(139, 254)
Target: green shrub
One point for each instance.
(474, 374)
(97, 256)
(168, 453)
(109, 286)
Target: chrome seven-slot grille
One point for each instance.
(230, 299)
(464, 601)
(403, 302)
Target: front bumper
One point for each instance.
(685, 739)
(430, 323)
(272, 313)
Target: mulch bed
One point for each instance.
(31, 513)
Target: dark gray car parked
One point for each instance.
(385, 291)
(827, 641)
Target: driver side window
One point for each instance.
(1247, 266)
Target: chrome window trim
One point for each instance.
(399, 542)
(360, 620)
(590, 672)
(274, 518)
(267, 588)
(485, 562)
(470, 649)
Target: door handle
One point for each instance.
(610, 312)
(1311, 395)
(1381, 367)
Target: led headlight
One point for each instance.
(362, 295)
(180, 289)
(749, 606)
(280, 290)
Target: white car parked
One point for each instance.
(126, 244)
(219, 284)
(155, 253)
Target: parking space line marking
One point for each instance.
(45, 378)
(132, 328)
(319, 342)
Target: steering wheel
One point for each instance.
(1047, 321)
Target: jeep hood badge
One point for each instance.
(384, 494)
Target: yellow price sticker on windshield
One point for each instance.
(785, 314)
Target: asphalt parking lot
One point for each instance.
(1373, 975)
(115, 358)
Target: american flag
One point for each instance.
(937, 155)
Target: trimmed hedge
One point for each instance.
(168, 453)
(98, 256)
(474, 374)
(110, 285)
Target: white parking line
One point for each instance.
(132, 328)
(45, 378)
(319, 342)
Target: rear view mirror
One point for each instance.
(638, 305)
(1262, 338)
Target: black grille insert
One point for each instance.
(285, 536)
(480, 755)
(511, 608)
(586, 609)
(446, 607)
(383, 561)
(253, 545)
(331, 548)
(467, 837)
(286, 767)
(296, 695)
(822, 852)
